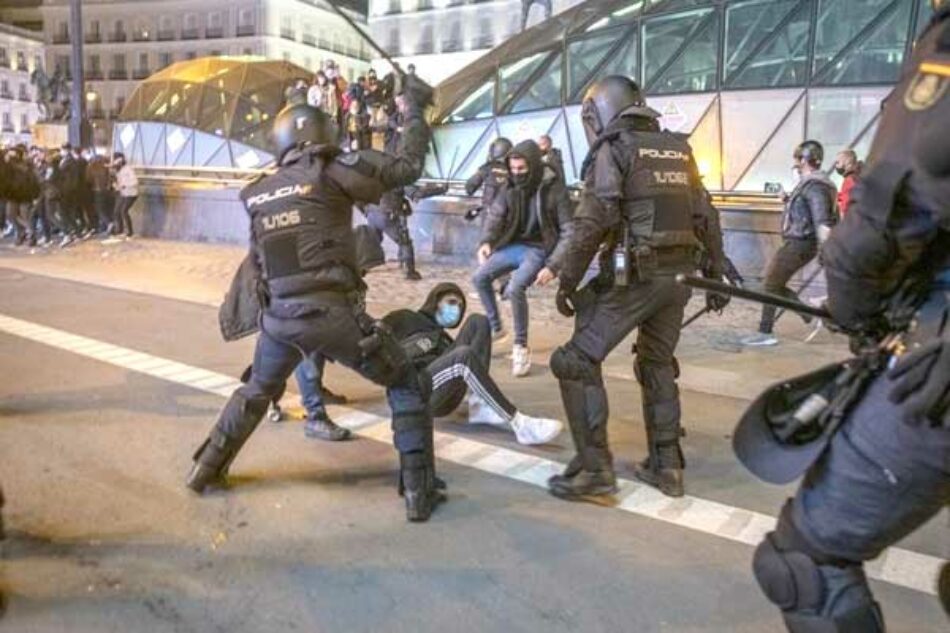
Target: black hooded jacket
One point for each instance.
(417, 330)
(545, 193)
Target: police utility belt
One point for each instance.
(631, 263)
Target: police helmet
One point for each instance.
(499, 149)
(300, 124)
(608, 99)
(811, 152)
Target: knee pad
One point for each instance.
(790, 579)
(569, 363)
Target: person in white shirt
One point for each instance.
(127, 189)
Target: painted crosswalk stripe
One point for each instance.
(897, 566)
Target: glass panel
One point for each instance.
(705, 141)
(624, 14)
(179, 145)
(184, 101)
(251, 124)
(878, 58)
(520, 127)
(206, 146)
(478, 105)
(513, 76)
(583, 57)
(452, 143)
(215, 112)
(924, 13)
(839, 22)
(747, 26)
(748, 118)
(662, 6)
(624, 61)
(664, 37)
(782, 61)
(681, 113)
(837, 116)
(476, 158)
(575, 130)
(154, 101)
(774, 163)
(545, 92)
(227, 79)
(559, 140)
(130, 111)
(694, 70)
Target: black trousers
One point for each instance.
(334, 331)
(788, 260)
(465, 365)
(122, 218)
(39, 218)
(396, 228)
(653, 307)
(103, 207)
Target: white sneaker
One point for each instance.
(479, 412)
(520, 361)
(531, 431)
(760, 340)
(111, 240)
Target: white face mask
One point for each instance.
(796, 174)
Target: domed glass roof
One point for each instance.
(211, 111)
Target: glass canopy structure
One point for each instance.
(208, 112)
(747, 79)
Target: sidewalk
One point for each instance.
(710, 357)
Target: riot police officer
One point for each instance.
(391, 218)
(303, 249)
(644, 199)
(491, 176)
(886, 470)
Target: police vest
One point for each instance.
(658, 192)
(302, 227)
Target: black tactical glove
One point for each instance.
(416, 91)
(565, 302)
(716, 302)
(922, 384)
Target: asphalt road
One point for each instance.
(311, 536)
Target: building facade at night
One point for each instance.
(126, 41)
(441, 36)
(747, 80)
(21, 52)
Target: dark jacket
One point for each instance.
(417, 330)
(545, 193)
(810, 205)
(22, 184)
(98, 175)
(620, 180)
(555, 161)
(72, 176)
(898, 219)
(302, 240)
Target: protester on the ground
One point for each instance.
(806, 224)
(127, 190)
(848, 167)
(527, 229)
(462, 365)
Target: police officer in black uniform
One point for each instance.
(303, 249)
(644, 199)
(886, 470)
(490, 177)
(391, 218)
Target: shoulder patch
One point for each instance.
(928, 86)
(357, 162)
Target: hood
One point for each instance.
(530, 151)
(432, 301)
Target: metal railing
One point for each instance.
(94, 75)
(141, 73)
(4, 62)
(166, 35)
(214, 32)
(25, 97)
(61, 38)
(118, 36)
(189, 34)
(142, 36)
(221, 176)
(246, 30)
(93, 38)
(6, 94)
(118, 75)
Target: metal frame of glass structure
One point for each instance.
(747, 79)
(207, 112)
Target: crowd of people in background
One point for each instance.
(58, 197)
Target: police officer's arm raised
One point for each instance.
(365, 175)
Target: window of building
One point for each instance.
(119, 103)
(394, 47)
(246, 17)
(4, 62)
(287, 30)
(143, 60)
(7, 122)
(165, 59)
(215, 19)
(94, 28)
(118, 32)
(248, 51)
(24, 122)
(191, 55)
(21, 60)
(5, 89)
(24, 94)
(766, 44)
(452, 40)
(95, 67)
(395, 6)
(426, 41)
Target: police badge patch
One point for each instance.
(928, 86)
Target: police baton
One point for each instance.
(807, 282)
(379, 49)
(696, 316)
(765, 298)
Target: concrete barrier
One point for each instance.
(183, 211)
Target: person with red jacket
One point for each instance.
(847, 166)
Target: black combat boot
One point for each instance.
(572, 396)
(595, 479)
(320, 426)
(663, 468)
(237, 421)
(669, 481)
(419, 486)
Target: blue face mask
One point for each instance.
(448, 315)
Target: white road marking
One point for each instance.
(896, 566)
